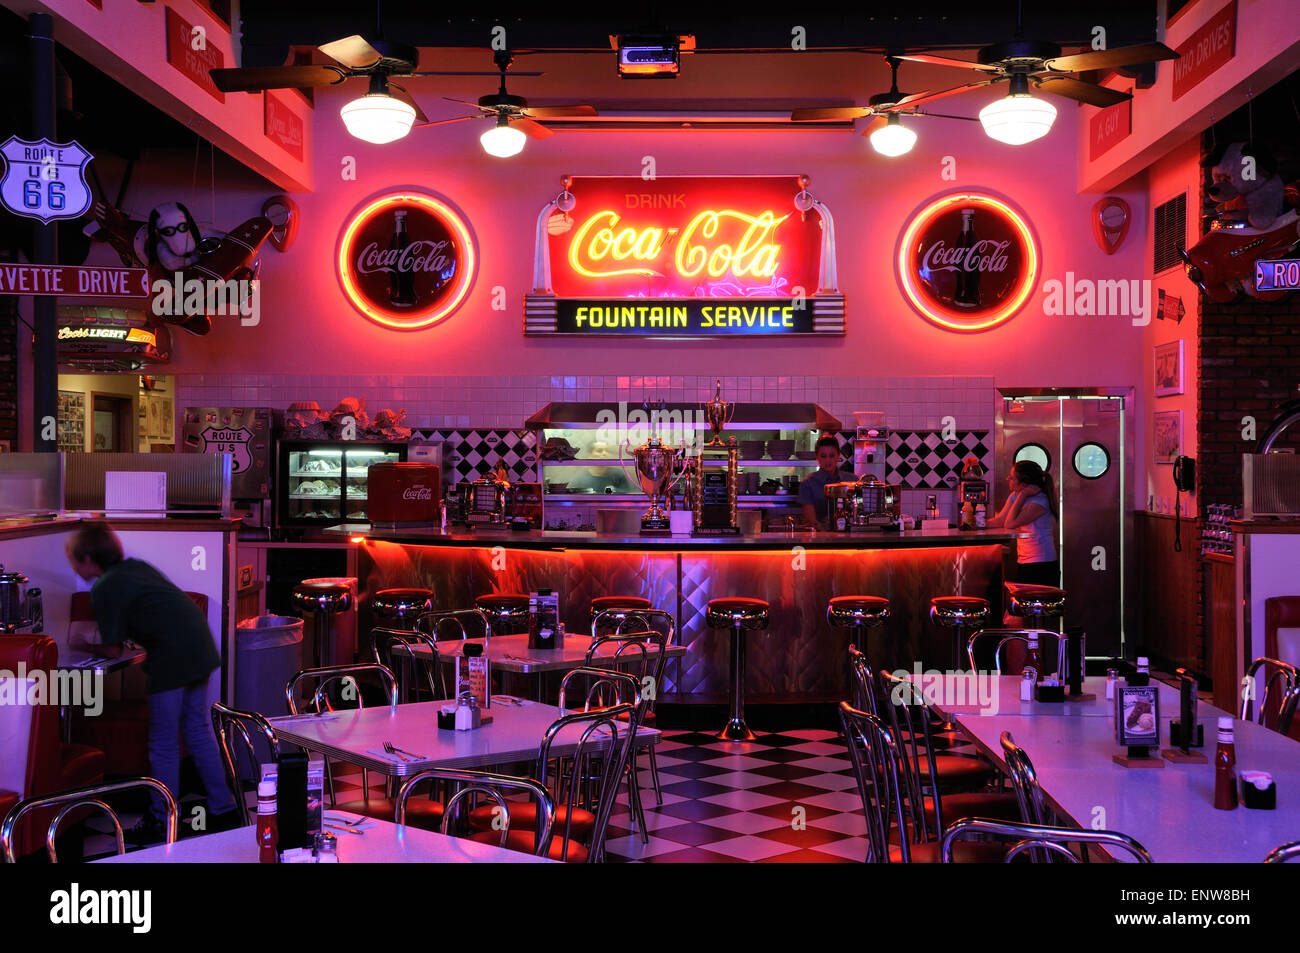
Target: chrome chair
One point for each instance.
(926, 774)
(234, 727)
(87, 797)
(412, 657)
(1282, 854)
(1276, 709)
(1029, 793)
(491, 786)
(643, 655)
(431, 624)
(877, 768)
(1036, 838)
(1005, 637)
(862, 685)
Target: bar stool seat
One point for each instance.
(1035, 601)
(321, 601)
(617, 606)
(850, 611)
(399, 608)
(959, 613)
(508, 611)
(738, 614)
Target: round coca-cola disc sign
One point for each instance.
(406, 260)
(967, 261)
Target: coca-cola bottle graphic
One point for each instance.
(401, 280)
(967, 294)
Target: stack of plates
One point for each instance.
(751, 449)
(780, 449)
(805, 454)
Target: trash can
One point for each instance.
(268, 652)
(344, 624)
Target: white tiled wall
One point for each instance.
(908, 402)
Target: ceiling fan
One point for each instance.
(888, 135)
(514, 120)
(384, 114)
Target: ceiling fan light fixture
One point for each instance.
(503, 140)
(378, 118)
(893, 138)
(1019, 117)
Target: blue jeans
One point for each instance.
(185, 711)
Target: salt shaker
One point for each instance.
(326, 848)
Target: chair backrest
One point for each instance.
(862, 683)
(910, 717)
(396, 650)
(448, 625)
(626, 619)
(1004, 637)
(494, 787)
(1024, 779)
(605, 736)
(327, 675)
(235, 731)
(873, 750)
(69, 801)
(643, 655)
(1280, 855)
(35, 653)
(1277, 699)
(1037, 838)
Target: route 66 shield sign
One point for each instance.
(233, 441)
(44, 179)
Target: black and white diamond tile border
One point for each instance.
(470, 454)
(923, 459)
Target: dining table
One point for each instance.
(373, 841)
(964, 694)
(358, 736)
(1168, 807)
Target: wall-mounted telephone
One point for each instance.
(1185, 482)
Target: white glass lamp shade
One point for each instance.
(378, 118)
(1018, 119)
(503, 140)
(893, 139)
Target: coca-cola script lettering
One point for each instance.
(418, 492)
(967, 261)
(406, 260)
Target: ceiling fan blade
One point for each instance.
(1111, 59)
(873, 124)
(397, 92)
(353, 52)
(1083, 92)
(533, 130)
(495, 74)
(946, 61)
(943, 116)
(253, 79)
(463, 102)
(916, 99)
(556, 112)
(829, 112)
(443, 122)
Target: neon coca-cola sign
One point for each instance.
(967, 261)
(406, 260)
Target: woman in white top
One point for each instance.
(1031, 508)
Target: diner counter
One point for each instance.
(779, 541)
(799, 657)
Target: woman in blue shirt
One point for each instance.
(1031, 508)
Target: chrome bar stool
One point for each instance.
(319, 602)
(858, 614)
(1035, 603)
(741, 615)
(962, 614)
(508, 611)
(615, 610)
(399, 608)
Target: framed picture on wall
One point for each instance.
(166, 422)
(1169, 369)
(1166, 435)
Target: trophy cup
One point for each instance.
(656, 471)
(718, 413)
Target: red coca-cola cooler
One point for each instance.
(405, 495)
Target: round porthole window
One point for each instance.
(1035, 453)
(1091, 461)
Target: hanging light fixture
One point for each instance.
(503, 140)
(378, 116)
(893, 138)
(1018, 117)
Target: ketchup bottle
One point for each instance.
(268, 831)
(1225, 768)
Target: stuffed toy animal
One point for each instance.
(1246, 187)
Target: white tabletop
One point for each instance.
(510, 653)
(381, 843)
(357, 736)
(1000, 695)
(1168, 810)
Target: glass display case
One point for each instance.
(578, 448)
(321, 483)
